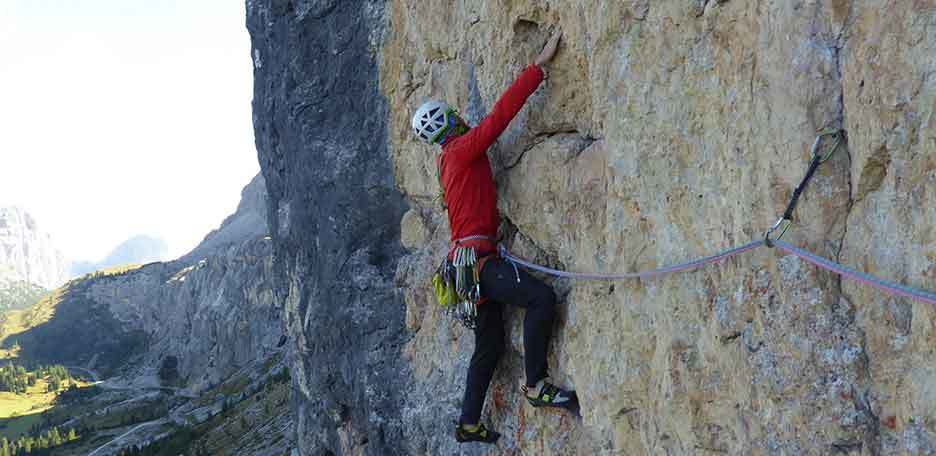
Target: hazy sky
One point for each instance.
(125, 117)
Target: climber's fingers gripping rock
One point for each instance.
(549, 50)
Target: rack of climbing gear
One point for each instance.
(467, 285)
(457, 286)
(771, 239)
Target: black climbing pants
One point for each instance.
(500, 285)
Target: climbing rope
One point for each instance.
(893, 288)
(887, 286)
(687, 266)
(890, 287)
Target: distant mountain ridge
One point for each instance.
(211, 310)
(27, 255)
(140, 249)
(194, 341)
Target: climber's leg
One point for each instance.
(501, 282)
(489, 346)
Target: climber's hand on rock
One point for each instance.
(549, 50)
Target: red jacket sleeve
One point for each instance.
(480, 138)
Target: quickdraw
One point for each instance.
(467, 285)
(783, 224)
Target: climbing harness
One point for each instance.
(782, 225)
(817, 159)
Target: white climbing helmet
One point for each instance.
(431, 120)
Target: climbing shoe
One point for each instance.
(545, 394)
(477, 433)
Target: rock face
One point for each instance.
(334, 214)
(213, 317)
(666, 131)
(27, 254)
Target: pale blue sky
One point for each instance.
(125, 117)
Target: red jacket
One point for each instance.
(466, 172)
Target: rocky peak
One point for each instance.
(247, 222)
(26, 253)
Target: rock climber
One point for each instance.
(471, 198)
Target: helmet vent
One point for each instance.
(430, 120)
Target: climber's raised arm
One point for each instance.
(510, 103)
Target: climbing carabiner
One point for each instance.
(786, 225)
(823, 133)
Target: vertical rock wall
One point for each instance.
(334, 216)
(666, 131)
(889, 101)
(669, 130)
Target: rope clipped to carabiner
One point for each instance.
(783, 224)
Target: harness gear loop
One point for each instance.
(817, 159)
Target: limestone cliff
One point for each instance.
(27, 255)
(208, 314)
(666, 131)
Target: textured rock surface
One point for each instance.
(26, 253)
(215, 316)
(334, 214)
(666, 131)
